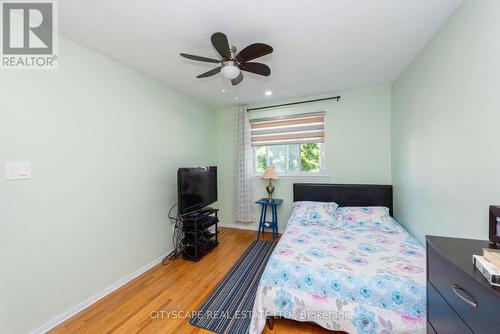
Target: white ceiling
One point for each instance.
(320, 46)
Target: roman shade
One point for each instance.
(296, 129)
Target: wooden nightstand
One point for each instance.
(459, 298)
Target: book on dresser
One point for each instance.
(492, 255)
(489, 271)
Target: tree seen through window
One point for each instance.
(290, 158)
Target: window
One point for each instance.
(293, 145)
(289, 159)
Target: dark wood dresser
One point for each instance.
(459, 298)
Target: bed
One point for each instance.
(366, 277)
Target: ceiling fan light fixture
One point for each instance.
(231, 64)
(230, 70)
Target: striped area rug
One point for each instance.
(235, 294)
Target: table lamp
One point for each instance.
(270, 174)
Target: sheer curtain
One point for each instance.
(243, 170)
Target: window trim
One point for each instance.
(322, 169)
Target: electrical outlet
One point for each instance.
(17, 170)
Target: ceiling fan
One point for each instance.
(231, 64)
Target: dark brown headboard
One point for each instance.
(345, 194)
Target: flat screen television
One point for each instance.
(196, 188)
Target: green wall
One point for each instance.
(446, 125)
(357, 147)
(105, 143)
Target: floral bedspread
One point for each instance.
(359, 278)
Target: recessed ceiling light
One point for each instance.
(223, 90)
(268, 93)
(236, 98)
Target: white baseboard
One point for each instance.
(241, 226)
(91, 300)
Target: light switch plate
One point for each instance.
(17, 170)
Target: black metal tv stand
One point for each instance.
(198, 240)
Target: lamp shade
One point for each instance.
(270, 173)
(230, 71)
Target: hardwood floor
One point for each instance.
(178, 286)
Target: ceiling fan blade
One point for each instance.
(253, 51)
(257, 68)
(237, 80)
(210, 73)
(198, 58)
(220, 43)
